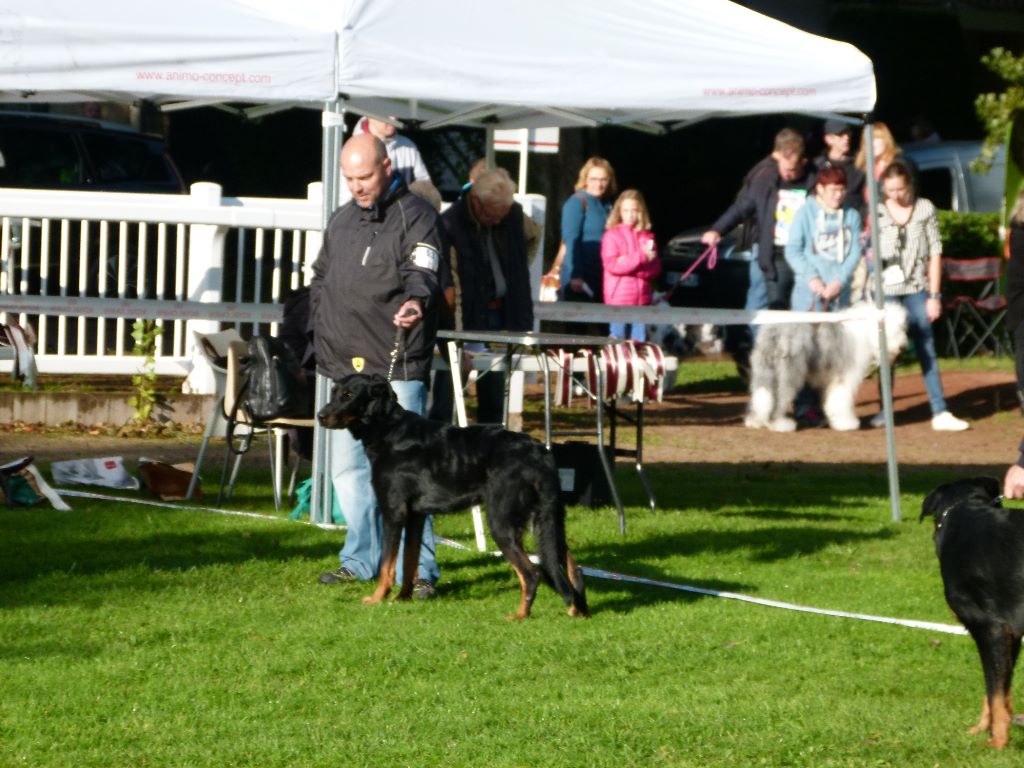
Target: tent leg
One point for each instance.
(885, 372)
(330, 171)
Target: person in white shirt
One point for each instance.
(405, 158)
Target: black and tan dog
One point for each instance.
(981, 556)
(421, 467)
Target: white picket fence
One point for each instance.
(95, 246)
(73, 263)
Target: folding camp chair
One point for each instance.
(272, 429)
(214, 349)
(975, 309)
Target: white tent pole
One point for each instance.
(524, 158)
(884, 369)
(489, 143)
(333, 122)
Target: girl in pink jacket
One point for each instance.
(630, 260)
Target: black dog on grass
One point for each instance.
(981, 556)
(421, 467)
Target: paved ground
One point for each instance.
(703, 428)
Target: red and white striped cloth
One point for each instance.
(630, 369)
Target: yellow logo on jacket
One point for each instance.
(358, 363)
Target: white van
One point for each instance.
(945, 176)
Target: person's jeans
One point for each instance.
(919, 329)
(350, 474)
(769, 294)
(637, 331)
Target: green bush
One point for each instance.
(969, 235)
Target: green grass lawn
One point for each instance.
(143, 636)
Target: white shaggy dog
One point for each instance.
(682, 340)
(833, 358)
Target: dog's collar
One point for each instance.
(940, 519)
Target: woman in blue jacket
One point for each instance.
(824, 246)
(583, 220)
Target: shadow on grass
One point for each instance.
(782, 489)
(806, 507)
(77, 545)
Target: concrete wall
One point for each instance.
(54, 408)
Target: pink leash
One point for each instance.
(710, 253)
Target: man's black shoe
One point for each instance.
(423, 590)
(339, 576)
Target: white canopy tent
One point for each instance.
(123, 50)
(579, 62)
(656, 66)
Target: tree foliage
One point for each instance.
(996, 110)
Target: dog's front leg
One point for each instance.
(392, 535)
(986, 718)
(838, 407)
(411, 554)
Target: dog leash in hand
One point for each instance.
(398, 342)
(394, 352)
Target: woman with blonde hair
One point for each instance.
(583, 220)
(887, 151)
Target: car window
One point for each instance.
(38, 157)
(125, 159)
(936, 184)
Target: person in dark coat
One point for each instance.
(373, 302)
(489, 258)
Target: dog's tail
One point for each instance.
(556, 562)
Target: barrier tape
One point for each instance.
(597, 573)
(91, 306)
(578, 311)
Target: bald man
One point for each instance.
(405, 158)
(376, 273)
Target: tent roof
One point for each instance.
(219, 50)
(580, 62)
(531, 63)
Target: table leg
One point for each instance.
(508, 385)
(640, 455)
(605, 464)
(454, 360)
(547, 397)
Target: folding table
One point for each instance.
(535, 345)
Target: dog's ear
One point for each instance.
(379, 386)
(933, 503)
(382, 396)
(987, 489)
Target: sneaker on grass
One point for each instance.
(340, 575)
(423, 590)
(947, 422)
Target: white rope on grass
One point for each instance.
(597, 573)
(189, 508)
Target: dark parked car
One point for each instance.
(43, 151)
(945, 176)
